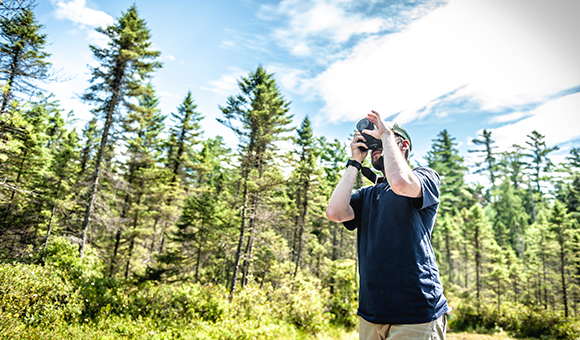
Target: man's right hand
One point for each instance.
(358, 148)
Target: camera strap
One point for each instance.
(371, 176)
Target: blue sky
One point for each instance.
(509, 66)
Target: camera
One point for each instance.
(371, 142)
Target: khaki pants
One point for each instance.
(434, 330)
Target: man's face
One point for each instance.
(376, 158)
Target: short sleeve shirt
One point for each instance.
(399, 278)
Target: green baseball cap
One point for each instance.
(399, 130)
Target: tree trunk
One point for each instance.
(13, 70)
(477, 265)
(302, 223)
(250, 245)
(562, 273)
(240, 243)
(52, 215)
(95, 181)
(123, 214)
(131, 245)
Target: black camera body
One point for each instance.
(371, 142)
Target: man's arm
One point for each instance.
(399, 174)
(339, 209)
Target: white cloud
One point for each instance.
(557, 120)
(497, 52)
(227, 85)
(335, 22)
(87, 19)
(78, 12)
(508, 117)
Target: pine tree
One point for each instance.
(184, 136)
(125, 64)
(538, 155)
(499, 273)
(25, 168)
(141, 129)
(489, 156)
(307, 156)
(511, 218)
(560, 228)
(573, 160)
(512, 165)
(65, 163)
(258, 116)
(479, 240)
(23, 60)
(444, 158)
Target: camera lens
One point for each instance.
(364, 124)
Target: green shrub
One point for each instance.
(177, 301)
(33, 294)
(518, 319)
(343, 303)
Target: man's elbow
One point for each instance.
(332, 214)
(406, 188)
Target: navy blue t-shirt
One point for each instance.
(399, 278)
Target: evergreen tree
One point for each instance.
(499, 273)
(480, 241)
(197, 242)
(444, 158)
(65, 163)
(560, 228)
(184, 136)
(510, 218)
(538, 155)
(125, 64)
(307, 155)
(258, 116)
(489, 156)
(573, 160)
(512, 165)
(141, 129)
(23, 60)
(25, 169)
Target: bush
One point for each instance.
(518, 319)
(66, 297)
(178, 301)
(343, 303)
(33, 295)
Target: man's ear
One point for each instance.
(406, 145)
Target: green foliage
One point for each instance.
(343, 302)
(35, 295)
(22, 57)
(52, 295)
(520, 320)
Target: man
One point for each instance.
(401, 296)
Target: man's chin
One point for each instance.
(379, 163)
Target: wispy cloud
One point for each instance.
(510, 117)
(318, 27)
(558, 120)
(78, 12)
(85, 18)
(496, 53)
(227, 84)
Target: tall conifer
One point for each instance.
(258, 116)
(22, 57)
(124, 65)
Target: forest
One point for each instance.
(137, 226)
